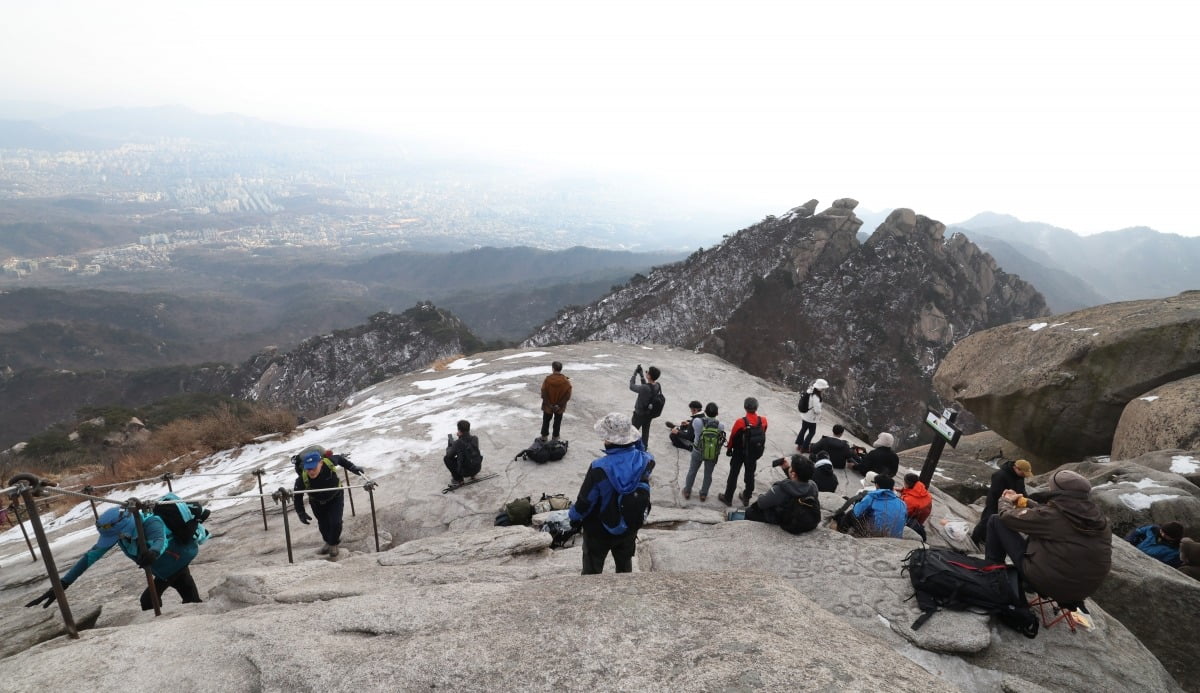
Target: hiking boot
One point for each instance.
(333, 551)
(703, 497)
(669, 425)
(323, 550)
(721, 497)
(686, 494)
(745, 498)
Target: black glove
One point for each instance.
(49, 597)
(729, 452)
(576, 524)
(304, 518)
(361, 472)
(147, 559)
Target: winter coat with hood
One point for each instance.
(1147, 540)
(1069, 552)
(824, 477)
(918, 501)
(883, 510)
(556, 392)
(813, 415)
(782, 492)
(617, 472)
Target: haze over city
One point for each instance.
(1078, 115)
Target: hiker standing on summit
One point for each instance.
(647, 392)
(556, 392)
(810, 413)
(317, 469)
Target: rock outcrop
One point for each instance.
(797, 297)
(1165, 418)
(1057, 387)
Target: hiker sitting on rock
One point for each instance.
(622, 472)
(918, 502)
(1011, 475)
(882, 460)
(875, 513)
(836, 448)
(1161, 542)
(167, 557)
(315, 470)
(683, 434)
(1066, 550)
(798, 484)
(823, 475)
(462, 458)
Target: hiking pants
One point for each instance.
(329, 518)
(1003, 541)
(694, 467)
(182, 582)
(735, 464)
(808, 429)
(546, 416)
(643, 425)
(754, 514)
(596, 545)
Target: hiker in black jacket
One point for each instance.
(317, 469)
(646, 390)
(462, 458)
(1011, 476)
(836, 448)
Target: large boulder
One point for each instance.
(1057, 386)
(1185, 463)
(1165, 418)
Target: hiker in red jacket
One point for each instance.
(747, 442)
(918, 502)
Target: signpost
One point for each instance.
(943, 425)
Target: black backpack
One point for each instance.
(627, 512)
(543, 451)
(805, 402)
(753, 439)
(654, 408)
(942, 578)
(800, 515)
(182, 519)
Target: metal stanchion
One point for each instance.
(132, 506)
(369, 487)
(89, 491)
(262, 500)
(281, 496)
(28, 483)
(167, 478)
(348, 493)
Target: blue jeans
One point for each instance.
(693, 467)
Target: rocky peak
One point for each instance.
(798, 297)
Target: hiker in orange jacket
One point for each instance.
(918, 502)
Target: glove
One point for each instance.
(49, 597)
(729, 452)
(575, 524)
(147, 559)
(304, 518)
(361, 472)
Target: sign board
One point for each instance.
(943, 427)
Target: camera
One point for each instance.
(638, 369)
(778, 461)
(449, 437)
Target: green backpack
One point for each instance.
(712, 439)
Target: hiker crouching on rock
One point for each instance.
(317, 470)
(623, 472)
(167, 556)
(462, 458)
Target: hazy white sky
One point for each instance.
(1079, 114)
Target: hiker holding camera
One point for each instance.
(649, 402)
(462, 458)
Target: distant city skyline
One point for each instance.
(1077, 115)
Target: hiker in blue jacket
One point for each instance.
(881, 513)
(167, 557)
(1161, 542)
(624, 468)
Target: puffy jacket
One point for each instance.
(824, 477)
(1070, 545)
(1148, 542)
(556, 392)
(172, 556)
(918, 502)
(618, 471)
(782, 492)
(882, 460)
(884, 511)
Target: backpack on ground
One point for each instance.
(805, 402)
(654, 407)
(549, 503)
(800, 515)
(754, 439)
(543, 451)
(517, 512)
(942, 578)
(712, 439)
(183, 520)
(627, 512)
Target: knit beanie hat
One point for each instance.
(615, 428)
(885, 440)
(1070, 483)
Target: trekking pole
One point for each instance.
(370, 489)
(28, 484)
(262, 501)
(349, 495)
(89, 490)
(281, 496)
(167, 478)
(132, 506)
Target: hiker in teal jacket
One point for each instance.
(167, 557)
(624, 466)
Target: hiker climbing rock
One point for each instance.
(317, 470)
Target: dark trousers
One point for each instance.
(916, 527)
(753, 513)
(979, 533)
(807, 431)
(182, 582)
(1002, 541)
(642, 423)
(596, 545)
(329, 518)
(736, 463)
(546, 416)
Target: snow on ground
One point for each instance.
(1143, 501)
(1184, 464)
(1148, 398)
(1037, 326)
(524, 355)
